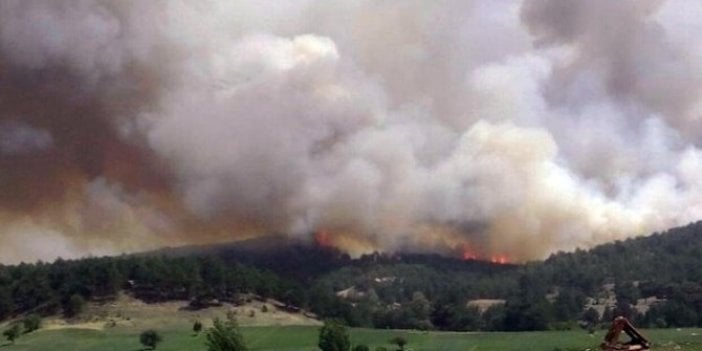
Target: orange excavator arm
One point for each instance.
(637, 341)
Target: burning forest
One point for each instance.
(500, 131)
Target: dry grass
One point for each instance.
(131, 313)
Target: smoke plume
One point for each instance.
(485, 129)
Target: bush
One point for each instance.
(150, 338)
(12, 333)
(361, 347)
(400, 341)
(333, 337)
(381, 348)
(225, 336)
(31, 323)
(197, 327)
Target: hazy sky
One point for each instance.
(498, 128)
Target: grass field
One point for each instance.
(290, 338)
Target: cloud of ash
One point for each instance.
(510, 129)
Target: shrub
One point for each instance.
(400, 341)
(197, 327)
(12, 333)
(333, 337)
(31, 323)
(224, 336)
(150, 338)
(361, 347)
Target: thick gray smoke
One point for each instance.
(490, 128)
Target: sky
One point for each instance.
(478, 128)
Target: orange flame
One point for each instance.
(499, 259)
(467, 253)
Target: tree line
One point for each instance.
(405, 291)
(64, 285)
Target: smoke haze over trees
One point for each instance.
(501, 128)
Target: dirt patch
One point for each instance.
(54, 324)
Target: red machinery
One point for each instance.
(637, 341)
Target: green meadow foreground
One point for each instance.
(305, 338)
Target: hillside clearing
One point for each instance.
(126, 312)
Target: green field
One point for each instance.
(304, 338)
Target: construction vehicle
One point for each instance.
(637, 341)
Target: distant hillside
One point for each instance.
(305, 261)
(671, 257)
(663, 271)
(654, 280)
(287, 257)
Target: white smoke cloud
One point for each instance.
(520, 127)
(44, 243)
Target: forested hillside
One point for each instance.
(654, 280)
